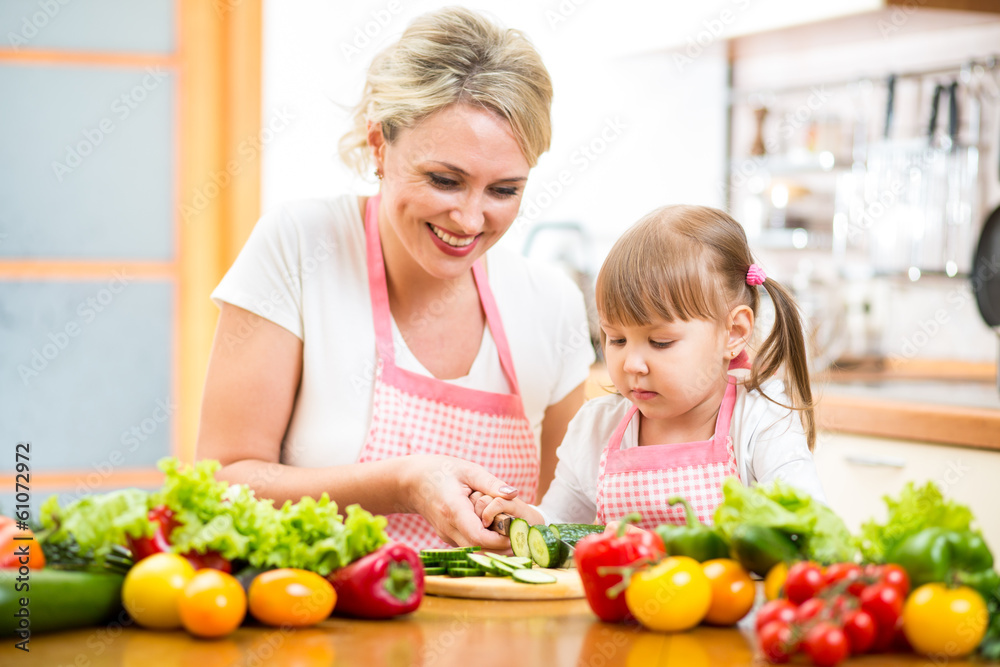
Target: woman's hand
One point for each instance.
(438, 488)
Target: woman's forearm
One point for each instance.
(380, 486)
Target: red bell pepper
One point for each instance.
(163, 521)
(601, 558)
(387, 582)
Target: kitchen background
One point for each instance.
(141, 141)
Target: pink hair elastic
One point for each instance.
(755, 275)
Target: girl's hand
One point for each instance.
(438, 488)
(488, 507)
(612, 528)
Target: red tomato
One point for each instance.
(825, 644)
(804, 580)
(885, 605)
(859, 626)
(841, 572)
(776, 642)
(896, 576)
(809, 609)
(775, 610)
(888, 638)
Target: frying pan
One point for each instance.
(985, 275)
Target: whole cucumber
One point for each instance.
(759, 548)
(57, 600)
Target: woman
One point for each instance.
(366, 348)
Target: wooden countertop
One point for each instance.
(950, 403)
(442, 632)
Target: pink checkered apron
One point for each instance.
(642, 479)
(417, 414)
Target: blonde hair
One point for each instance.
(690, 262)
(451, 56)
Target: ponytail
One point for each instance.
(786, 345)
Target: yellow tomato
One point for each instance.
(775, 581)
(670, 596)
(152, 588)
(213, 604)
(291, 597)
(732, 591)
(947, 622)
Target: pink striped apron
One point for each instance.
(642, 479)
(418, 414)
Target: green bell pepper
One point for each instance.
(695, 539)
(939, 554)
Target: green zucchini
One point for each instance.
(545, 547)
(571, 533)
(519, 538)
(58, 599)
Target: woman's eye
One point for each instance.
(442, 182)
(504, 193)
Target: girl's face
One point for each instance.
(451, 187)
(669, 369)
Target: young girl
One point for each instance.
(677, 297)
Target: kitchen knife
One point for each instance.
(501, 524)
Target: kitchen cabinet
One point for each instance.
(857, 471)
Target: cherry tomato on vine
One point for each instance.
(859, 627)
(825, 644)
(840, 572)
(809, 609)
(776, 642)
(884, 603)
(896, 576)
(805, 579)
(775, 610)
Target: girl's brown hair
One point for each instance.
(691, 262)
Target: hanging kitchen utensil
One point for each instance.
(964, 202)
(986, 276)
(881, 175)
(985, 273)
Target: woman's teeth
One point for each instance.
(451, 240)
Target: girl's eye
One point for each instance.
(661, 345)
(616, 341)
(442, 182)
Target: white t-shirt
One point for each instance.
(768, 440)
(304, 268)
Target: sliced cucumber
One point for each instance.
(464, 572)
(482, 562)
(432, 571)
(503, 568)
(510, 561)
(519, 538)
(545, 547)
(441, 555)
(533, 577)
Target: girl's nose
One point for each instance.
(635, 363)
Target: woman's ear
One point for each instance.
(740, 329)
(376, 142)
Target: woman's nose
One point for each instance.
(468, 214)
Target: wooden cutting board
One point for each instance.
(567, 586)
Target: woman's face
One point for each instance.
(451, 187)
